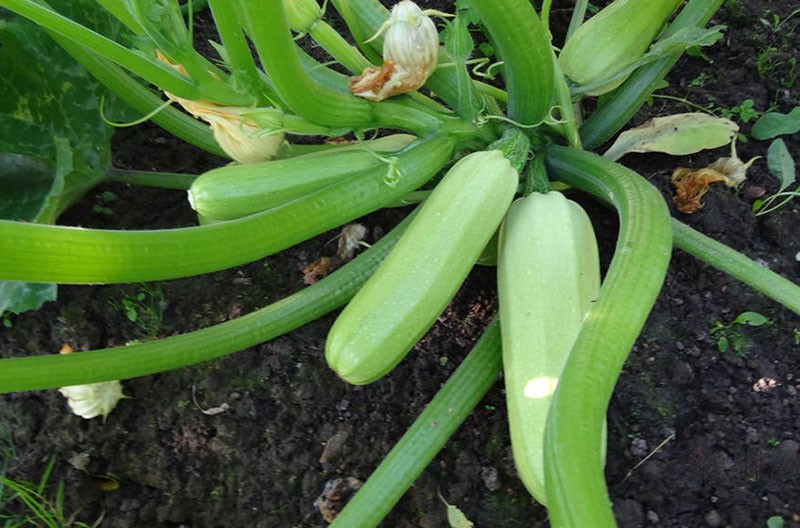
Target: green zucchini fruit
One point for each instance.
(612, 40)
(235, 191)
(548, 275)
(413, 286)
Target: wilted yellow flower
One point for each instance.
(410, 55)
(692, 184)
(238, 135)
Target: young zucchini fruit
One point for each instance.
(548, 275)
(412, 287)
(612, 40)
(235, 191)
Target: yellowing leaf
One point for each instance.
(678, 135)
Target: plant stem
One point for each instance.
(523, 42)
(578, 14)
(141, 98)
(141, 359)
(237, 52)
(161, 180)
(737, 265)
(427, 435)
(47, 253)
(340, 49)
(576, 488)
(266, 24)
(159, 74)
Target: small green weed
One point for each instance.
(743, 112)
(730, 336)
(24, 503)
(102, 203)
(145, 307)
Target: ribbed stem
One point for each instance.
(161, 180)
(576, 488)
(266, 24)
(141, 98)
(427, 435)
(737, 265)
(51, 371)
(523, 43)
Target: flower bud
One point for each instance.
(410, 55)
(302, 14)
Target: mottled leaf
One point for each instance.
(17, 297)
(678, 134)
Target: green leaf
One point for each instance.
(17, 297)
(455, 517)
(24, 182)
(776, 124)
(678, 134)
(780, 163)
(751, 319)
(775, 522)
(722, 344)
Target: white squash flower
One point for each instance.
(92, 399)
(410, 55)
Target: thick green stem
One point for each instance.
(576, 488)
(45, 253)
(427, 435)
(338, 47)
(737, 265)
(523, 43)
(161, 180)
(266, 24)
(615, 112)
(238, 56)
(51, 371)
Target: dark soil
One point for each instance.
(720, 432)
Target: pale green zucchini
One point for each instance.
(612, 40)
(239, 190)
(421, 275)
(548, 275)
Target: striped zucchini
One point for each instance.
(548, 275)
(235, 191)
(412, 287)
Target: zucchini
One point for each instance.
(235, 191)
(412, 287)
(611, 41)
(548, 275)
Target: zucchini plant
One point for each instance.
(565, 336)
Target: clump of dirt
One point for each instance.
(697, 437)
